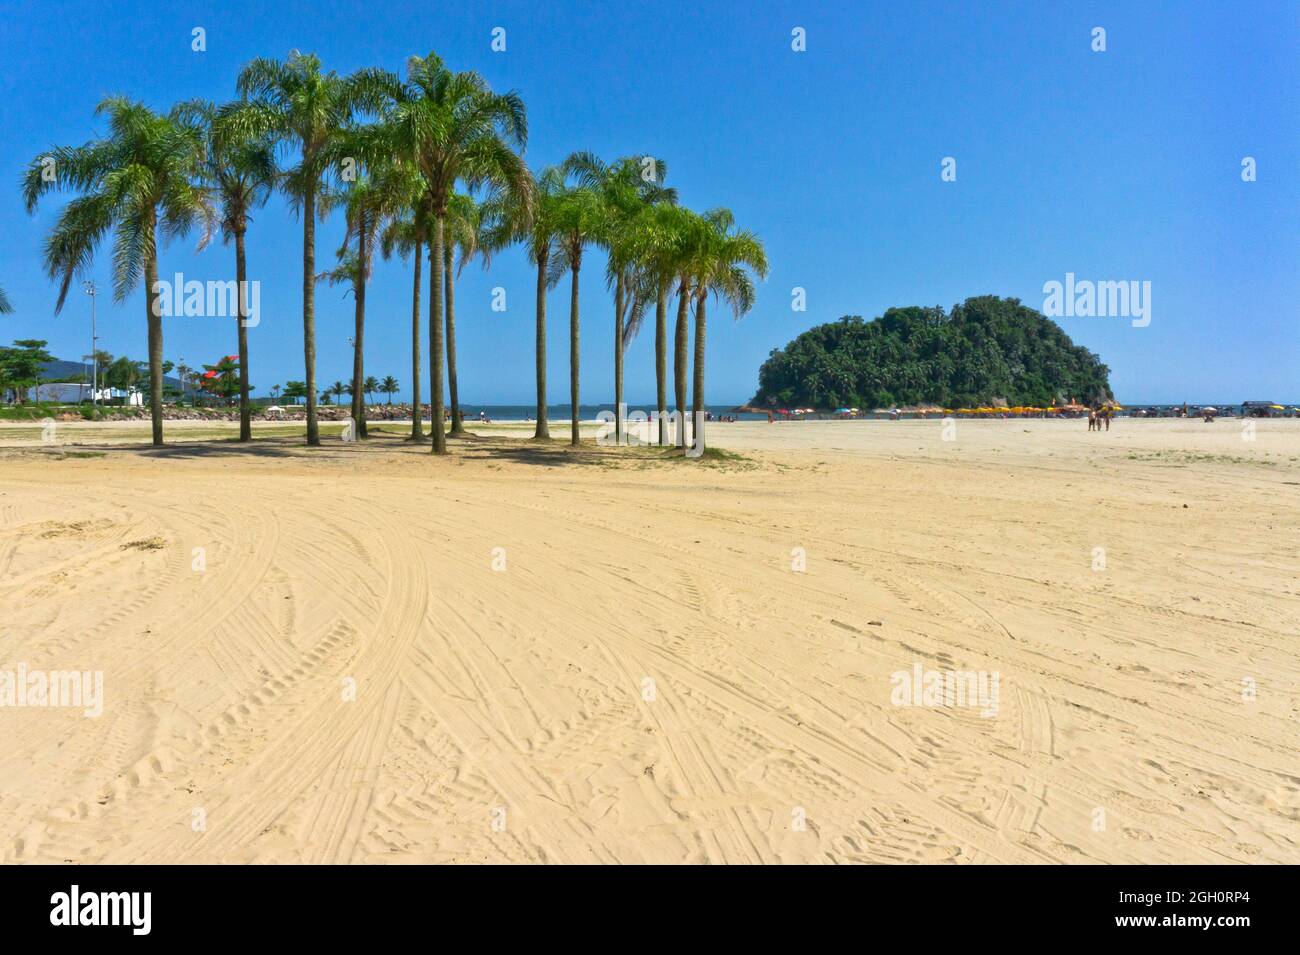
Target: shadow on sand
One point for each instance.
(557, 453)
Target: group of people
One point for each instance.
(1098, 415)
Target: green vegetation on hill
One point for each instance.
(986, 348)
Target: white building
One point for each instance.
(71, 393)
(62, 392)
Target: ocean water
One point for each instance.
(585, 412)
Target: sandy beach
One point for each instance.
(360, 653)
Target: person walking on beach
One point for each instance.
(1092, 419)
(1106, 413)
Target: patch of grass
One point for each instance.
(30, 412)
(55, 529)
(712, 457)
(148, 543)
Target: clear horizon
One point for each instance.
(1120, 165)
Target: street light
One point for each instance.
(90, 289)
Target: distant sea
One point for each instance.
(585, 412)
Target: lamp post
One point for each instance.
(90, 289)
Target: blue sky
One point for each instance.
(1122, 165)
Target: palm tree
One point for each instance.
(691, 238)
(241, 171)
(347, 273)
(183, 372)
(338, 389)
(371, 385)
(627, 187)
(721, 264)
(658, 240)
(305, 109)
(406, 232)
(529, 218)
(464, 224)
(123, 374)
(581, 219)
(144, 175)
(224, 378)
(5, 307)
(389, 386)
(452, 127)
(364, 201)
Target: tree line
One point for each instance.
(985, 348)
(428, 168)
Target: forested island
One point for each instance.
(986, 349)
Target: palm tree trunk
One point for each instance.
(435, 334)
(619, 296)
(697, 387)
(417, 427)
(679, 363)
(457, 424)
(661, 361)
(153, 309)
(359, 334)
(543, 432)
(573, 346)
(309, 309)
(241, 286)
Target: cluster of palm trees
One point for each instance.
(430, 165)
(370, 386)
